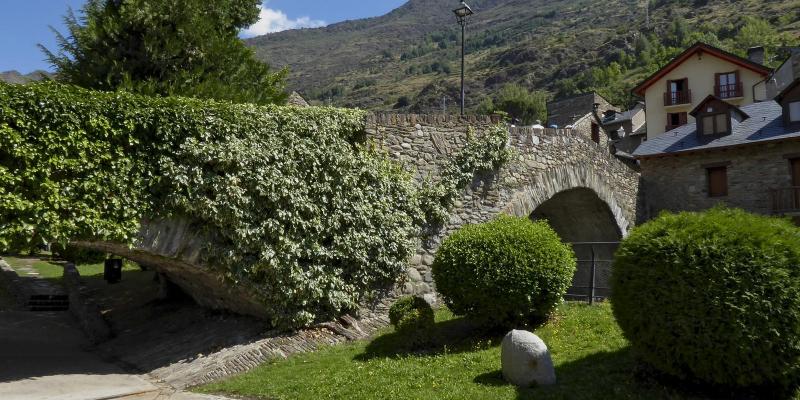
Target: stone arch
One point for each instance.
(561, 179)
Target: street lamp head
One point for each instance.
(463, 12)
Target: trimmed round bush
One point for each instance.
(508, 272)
(712, 297)
(411, 314)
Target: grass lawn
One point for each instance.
(592, 361)
(54, 270)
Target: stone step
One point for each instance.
(48, 302)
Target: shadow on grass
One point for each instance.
(617, 375)
(457, 335)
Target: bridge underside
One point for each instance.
(580, 217)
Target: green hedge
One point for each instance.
(300, 210)
(507, 272)
(712, 297)
(412, 316)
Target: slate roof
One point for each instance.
(764, 125)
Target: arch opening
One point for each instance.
(580, 217)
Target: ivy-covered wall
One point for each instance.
(300, 212)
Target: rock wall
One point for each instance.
(680, 183)
(547, 162)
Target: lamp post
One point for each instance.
(462, 13)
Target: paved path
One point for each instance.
(45, 356)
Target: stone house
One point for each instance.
(743, 156)
(785, 74)
(698, 72)
(577, 113)
(627, 130)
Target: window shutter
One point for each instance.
(721, 123)
(708, 125)
(794, 111)
(717, 181)
(682, 118)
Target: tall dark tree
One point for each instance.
(167, 47)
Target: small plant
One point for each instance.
(411, 315)
(506, 273)
(712, 297)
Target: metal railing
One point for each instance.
(591, 281)
(785, 200)
(675, 98)
(729, 91)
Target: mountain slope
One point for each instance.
(409, 59)
(17, 77)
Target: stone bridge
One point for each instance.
(577, 185)
(585, 193)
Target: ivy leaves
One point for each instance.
(302, 213)
(479, 155)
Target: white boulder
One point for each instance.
(526, 360)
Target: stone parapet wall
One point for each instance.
(83, 308)
(546, 162)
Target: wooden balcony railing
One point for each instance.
(675, 98)
(729, 91)
(785, 200)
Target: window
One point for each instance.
(728, 85)
(595, 133)
(677, 92)
(794, 111)
(794, 165)
(675, 120)
(717, 181)
(714, 124)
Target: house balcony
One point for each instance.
(785, 201)
(731, 91)
(677, 98)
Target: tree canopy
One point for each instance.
(166, 47)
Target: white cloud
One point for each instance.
(276, 20)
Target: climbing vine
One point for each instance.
(479, 155)
(299, 210)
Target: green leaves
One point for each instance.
(167, 48)
(712, 297)
(507, 272)
(304, 215)
(478, 156)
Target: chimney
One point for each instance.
(756, 54)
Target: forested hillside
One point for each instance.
(409, 59)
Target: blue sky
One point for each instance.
(24, 23)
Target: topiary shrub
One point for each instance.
(712, 297)
(411, 315)
(507, 272)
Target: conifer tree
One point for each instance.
(167, 47)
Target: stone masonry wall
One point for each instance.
(546, 162)
(679, 183)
